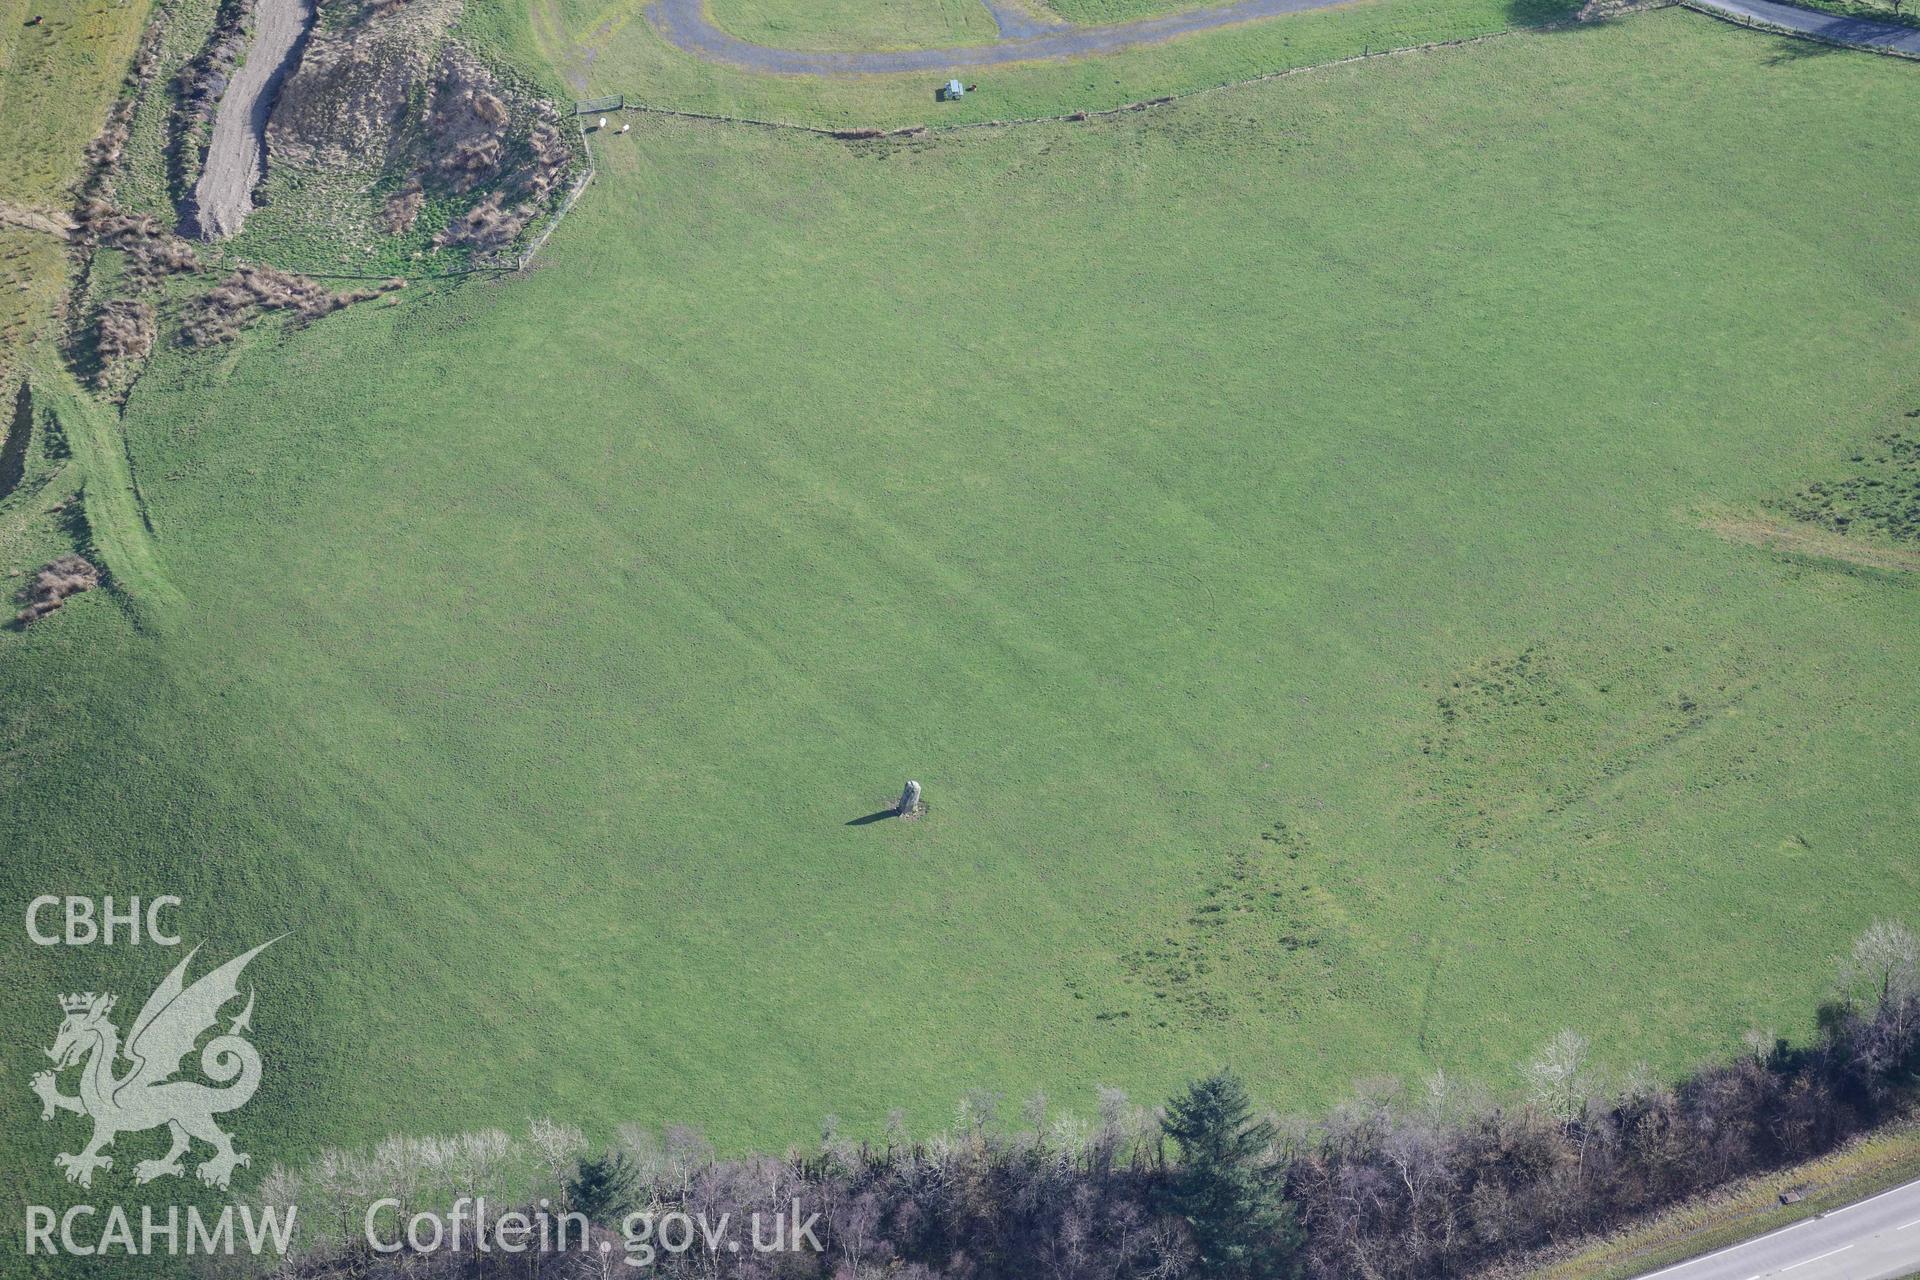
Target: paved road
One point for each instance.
(1875, 1239)
(236, 157)
(1854, 31)
(684, 23)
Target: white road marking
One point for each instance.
(1805, 1222)
(1732, 1248)
(1869, 1200)
(1914, 1223)
(1810, 1261)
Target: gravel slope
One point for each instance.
(236, 160)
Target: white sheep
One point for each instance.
(603, 122)
(628, 125)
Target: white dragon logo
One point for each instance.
(172, 1021)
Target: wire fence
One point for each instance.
(618, 102)
(624, 102)
(520, 261)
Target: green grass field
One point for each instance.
(1872, 10)
(1272, 528)
(858, 24)
(57, 79)
(1094, 12)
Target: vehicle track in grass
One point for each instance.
(116, 514)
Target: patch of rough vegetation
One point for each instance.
(1880, 499)
(123, 336)
(222, 312)
(104, 154)
(121, 330)
(342, 106)
(402, 208)
(50, 588)
(474, 143)
(110, 349)
(458, 154)
(347, 101)
(1259, 923)
(1518, 740)
(152, 252)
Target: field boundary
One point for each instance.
(629, 102)
(615, 103)
(566, 207)
(623, 102)
(520, 263)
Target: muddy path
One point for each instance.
(236, 160)
(50, 221)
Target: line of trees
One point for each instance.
(1402, 1183)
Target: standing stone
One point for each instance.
(909, 800)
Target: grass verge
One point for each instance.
(1873, 1164)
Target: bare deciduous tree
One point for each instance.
(1885, 963)
(1558, 1081)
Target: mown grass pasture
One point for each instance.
(858, 24)
(1272, 528)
